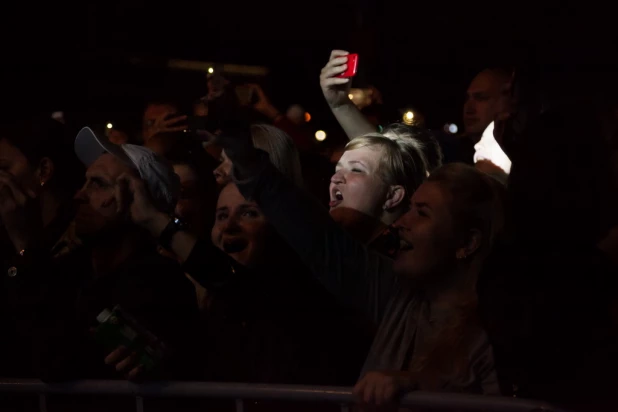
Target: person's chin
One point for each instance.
(243, 258)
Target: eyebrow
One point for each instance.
(98, 178)
(352, 162)
(246, 206)
(222, 208)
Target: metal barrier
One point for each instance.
(241, 391)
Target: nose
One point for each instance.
(469, 107)
(403, 223)
(80, 196)
(231, 226)
(337, 177)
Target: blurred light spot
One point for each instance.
(453, 128)
(307, 117)
(211, 70)
(320, 135)
(351, 96)
(408, 117)
(109, 125)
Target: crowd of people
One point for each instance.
(481, 263)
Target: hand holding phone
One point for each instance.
(335, 77)
(352, 64)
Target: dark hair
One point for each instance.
(38, 137)
(423, 139)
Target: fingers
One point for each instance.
(334, 67)
(365, 388)
(334, 81)
(377, 389)
(369, 392)
(174, 129)
(173, 120)
(117, 355)
(338, 53)
(133, 184)
(135, 373)
(359, 388)
(389, 392)
(380, 389)
(128, 363)
(256, 88)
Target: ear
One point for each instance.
(471, 244)
(396, 194)
(45, 170)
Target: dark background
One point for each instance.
(77, 57)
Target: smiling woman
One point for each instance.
(240, 228)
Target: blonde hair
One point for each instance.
(423, 139)
(476, 200)
(402, 164)
(280, 148)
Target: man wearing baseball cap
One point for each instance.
(117, 266)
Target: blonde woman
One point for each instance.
(373, 182)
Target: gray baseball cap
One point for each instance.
(162, 183)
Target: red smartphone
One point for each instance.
(352, 66)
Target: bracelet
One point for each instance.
(174, 225)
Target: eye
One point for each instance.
(252, 213)
(421, 212)
(356, 170)
(221, 216)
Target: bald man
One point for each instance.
(485, 99)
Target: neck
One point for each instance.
(49, 207)
(390, 217)
(112, 251)
(454, 288)
(362, 227)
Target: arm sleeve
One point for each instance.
(357, 276)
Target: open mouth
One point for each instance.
(404, 246)
(234, 245)
(336, 197)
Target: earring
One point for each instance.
(462, 255)
(42, 183)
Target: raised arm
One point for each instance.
(336, 92)
(357, 276)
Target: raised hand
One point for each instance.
(263, 104)
(335, 89)
(132, 196)
(166, 122)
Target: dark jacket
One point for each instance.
(54, 304)
(274, 323)
(359, 277)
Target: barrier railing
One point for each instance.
(238, 392)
